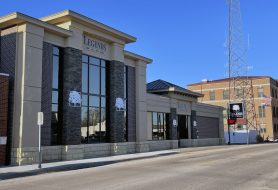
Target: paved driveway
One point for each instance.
(253, 167)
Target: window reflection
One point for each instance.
(93, 126)
(84, 77)
(94, 76)
(55, 72)
(84, 120)
(55, 96)
(94, 118)
(159, 126)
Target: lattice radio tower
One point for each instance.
(240, 85)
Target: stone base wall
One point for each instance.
(184, 143)
(163, 145)
(84, 151)
(30, 155)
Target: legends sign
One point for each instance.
(94, 45)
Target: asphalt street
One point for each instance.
(241, 167)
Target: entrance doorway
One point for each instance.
(183, 124)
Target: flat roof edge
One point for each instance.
(128, 38)
(21, 18)
(138, 57)
(227, 80)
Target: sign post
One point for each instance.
(236, 112)
(229, 123)
(40, 123)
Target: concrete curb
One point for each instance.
(31, 170)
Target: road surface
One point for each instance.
(244, 167)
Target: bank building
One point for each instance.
(93, 94)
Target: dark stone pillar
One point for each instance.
(72, 81)
(194, 130)
(4, 104)
(47, 64)
(131, 104)
(173, 133)
(7, 65)
(116, 122)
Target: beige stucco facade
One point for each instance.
(184, 106)
(64, 29)
(68, 29)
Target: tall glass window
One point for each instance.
(159, 126)
(55, 96)
(93, 111)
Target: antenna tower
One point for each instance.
(240, 85)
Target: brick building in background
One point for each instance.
(216, 92)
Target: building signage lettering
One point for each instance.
(94, 45)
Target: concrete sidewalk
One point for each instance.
(11, 172)
(29, 170)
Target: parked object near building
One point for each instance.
(216, 92)
(92, 92)
(241, 136)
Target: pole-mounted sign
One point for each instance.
(236, 110)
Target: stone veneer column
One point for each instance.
(4, 104)
(131, 104)
(46, 96)
(72, 81)
(194, 132)
(116, 90)
(7, 65)
(173, 129)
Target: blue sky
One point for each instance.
(185, 38)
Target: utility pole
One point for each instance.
(240, 85)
